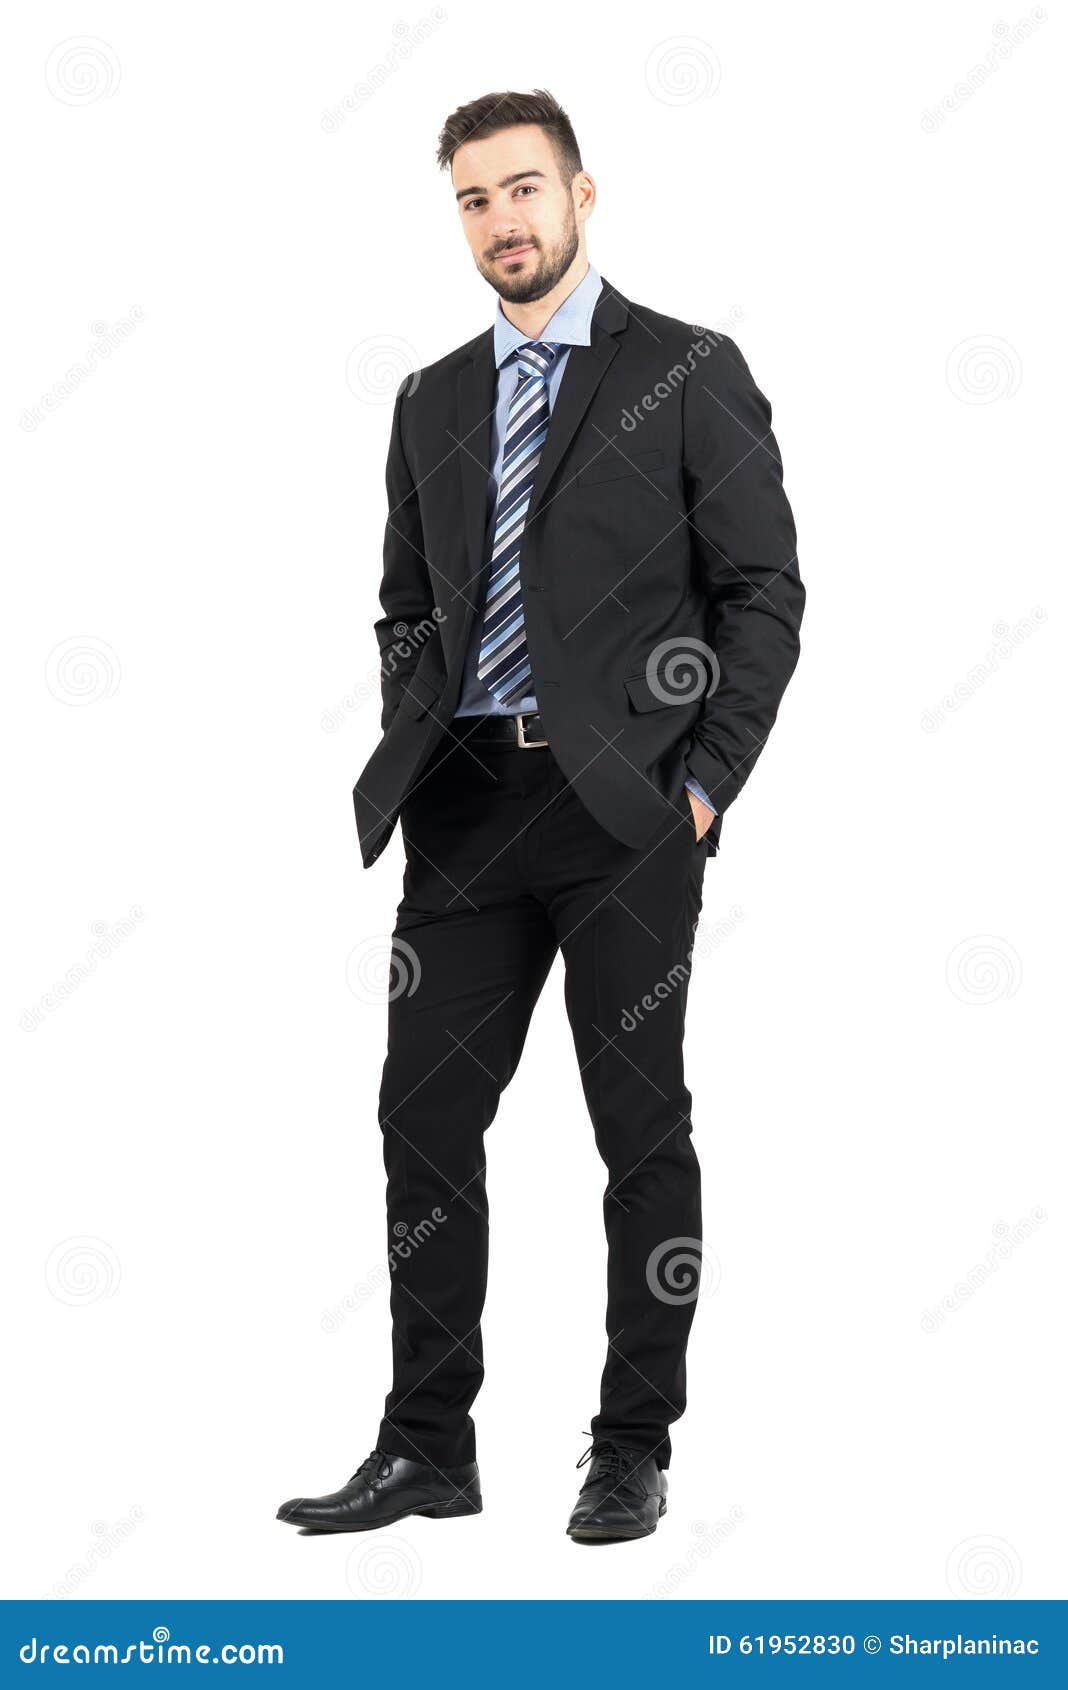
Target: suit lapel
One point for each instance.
(476, 398)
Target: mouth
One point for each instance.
(514, 254)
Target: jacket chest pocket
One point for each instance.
(615, 463)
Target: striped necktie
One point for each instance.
(503, 663)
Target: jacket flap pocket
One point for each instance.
(418, 693)
(658, 689)
(613, 462)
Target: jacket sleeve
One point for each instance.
(745, 554)
(406, 595)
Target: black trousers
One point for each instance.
(505, 866)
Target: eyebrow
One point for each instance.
(505, 182)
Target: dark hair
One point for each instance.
(503, 111)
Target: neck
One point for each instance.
(532, 317)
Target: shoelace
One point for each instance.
(607, 1461)
(377, 1466)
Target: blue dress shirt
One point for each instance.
(568, 326)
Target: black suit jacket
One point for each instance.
(658, 567)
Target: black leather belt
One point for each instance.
(523, 732)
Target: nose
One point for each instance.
(505, 228)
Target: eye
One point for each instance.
(472, 205)
(526, 188)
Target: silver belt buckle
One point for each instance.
(521, 734)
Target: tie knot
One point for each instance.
(536, 358)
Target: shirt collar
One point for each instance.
(569, 324)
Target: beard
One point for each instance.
(549, 264)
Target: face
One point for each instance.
(522, 223)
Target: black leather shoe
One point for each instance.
(387, 1488)
(624, 1495)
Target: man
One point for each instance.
(591, 607)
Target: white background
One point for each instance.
(194, 546)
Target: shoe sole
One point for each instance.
(437, 1511)
(606, 1534)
